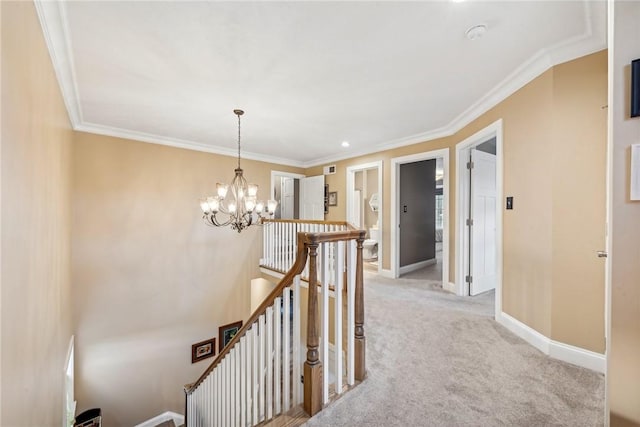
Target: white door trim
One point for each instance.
(272, 191)
(351, 170)
(395, 205)
(493, 130)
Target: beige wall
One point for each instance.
(36, 188)
(579, 202)
(150, 278)
(554, 141)
(624, 357)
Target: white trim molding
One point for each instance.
(449, 286)
(557, 350)
(387, 273)
(52, 15)
(396, 162)
(493, 130)
(416, 266)
(177, 419)
(351, 170)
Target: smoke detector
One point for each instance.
(476, 31)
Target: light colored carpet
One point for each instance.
(435, 359)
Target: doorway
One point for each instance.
(364, 209)
(420, 199)
(479, 213)
(298, 196)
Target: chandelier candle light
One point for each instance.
(242, 208)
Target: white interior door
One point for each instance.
(312, 198)
(483, 230)
(287, 198)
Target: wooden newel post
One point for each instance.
(360, 347)
(312, 367)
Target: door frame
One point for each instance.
(462, 189)
(272, 190)
(396, 162)
(351, 172)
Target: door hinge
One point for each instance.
(469, 222)
(468, 279)
(470, 165)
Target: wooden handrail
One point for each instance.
(304, 240)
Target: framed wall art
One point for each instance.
(227, 332)
(203, 350)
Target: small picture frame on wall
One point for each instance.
(333, 198)
(203, 350)
(227, 332)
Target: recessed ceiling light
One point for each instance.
(476, 32)
(345, 144)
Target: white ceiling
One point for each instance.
(308, 74)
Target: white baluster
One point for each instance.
(247, 383)
(214, 396)
(292, 243)
(296, 357)
(262, 373)
(232, 390)
(270, 244)
(287, 246)
(351, 310)
(280, 246)
(223, 391)
(277, 323)
(242, 352)
(269, 363)
(190, 409)
(267, 250)
(286, 348)
(324, 334)
(205, 400)
(195, 407)
(339, 266)
(255, 381)
(264, 244)
(218, 395)
(239, 383)
(210, 398)
(274, 244)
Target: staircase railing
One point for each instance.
(256, 376)
(279, 240)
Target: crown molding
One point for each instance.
(52, 15)
(181, 143)
(592, 40)
(53, 20)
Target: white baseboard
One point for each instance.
(387, 273)
(525, 332)
(578, 356)
(416, 266)
(167, 416)
(565, 352)
(450, 287)
(271, 273)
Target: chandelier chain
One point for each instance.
(238, 141)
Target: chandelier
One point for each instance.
(237, 204)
